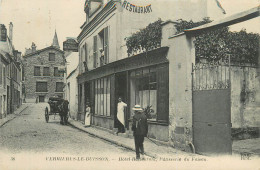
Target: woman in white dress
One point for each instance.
(87, 115)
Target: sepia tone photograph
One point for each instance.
(129, 84)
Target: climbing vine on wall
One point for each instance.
(145, 39)
(211, 45)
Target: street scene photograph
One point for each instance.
(129, 84)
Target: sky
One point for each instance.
(36, 20)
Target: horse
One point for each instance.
(63, 107)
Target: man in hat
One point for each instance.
(140, 129)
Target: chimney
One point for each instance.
(3, 32)
(11, 32)
(33, 47)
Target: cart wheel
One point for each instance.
(46, 114)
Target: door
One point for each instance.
(120, 91)
(211, 122)
(41, 99)
(211, 107)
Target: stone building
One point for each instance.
(42, 78)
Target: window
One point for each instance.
(103, 45)
(149, 88)
(46, 71)
(37, 71)
(51, 56)
(59, 86)
(41, 87)
(56, 72)
(1, 73)
(101, 42)
(4, 76)
(102, 96)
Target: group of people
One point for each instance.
(139, 126)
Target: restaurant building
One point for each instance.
(107, 72)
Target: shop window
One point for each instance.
(41, 87)
(102, 96)
(37, 71)
(145, 89)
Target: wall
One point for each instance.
(131, 22)
(245, 108)
(103, 122)
(124, 23)
(42, 60)
(72, 59)
(73, 94)
(181, 55)
(110, 22)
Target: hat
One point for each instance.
(138, 108)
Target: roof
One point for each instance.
(233, 19)
(55, 41)
(39, 51)
(6, 47)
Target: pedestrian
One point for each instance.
(36, 100)
(140, 129)
(121, 115)
(87, 115)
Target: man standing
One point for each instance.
(121, 115)
(140, 129)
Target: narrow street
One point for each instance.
(30, 133)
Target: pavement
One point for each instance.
(251, 146)
(152, 149)
(16, 113)
(157, 150)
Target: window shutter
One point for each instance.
(106, 45)
(95, 51)
(86, 56)
(1, 74)
(86, 52)
(163, 93)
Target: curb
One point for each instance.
(15, 115)
(111, 141)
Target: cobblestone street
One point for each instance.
(30, 132)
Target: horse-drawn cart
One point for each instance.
(57, 105)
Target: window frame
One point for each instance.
(58, 74)
(44, 72)
(56, 85)
(34, 74)
(37, 90)
(52, 60)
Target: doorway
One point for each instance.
(41, 99)
(121, 91)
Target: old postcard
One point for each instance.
(129, 84)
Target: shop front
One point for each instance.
(141, 79)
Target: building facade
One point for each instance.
(106, 72)
(10, 73)
(42, 78)
(70, 47)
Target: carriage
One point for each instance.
(57, 105)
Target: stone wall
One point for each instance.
(42, 59)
